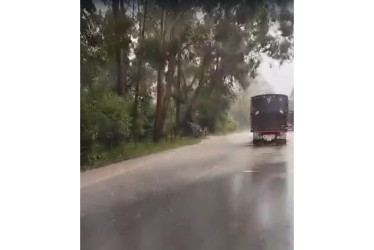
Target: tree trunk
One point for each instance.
(170, 80)
(139, 73)
(124, 74)
(124, 57)
(160, 93)
(169, 83)
(188, 115)
(133, 9)
(160, 86)
(177, 90)
(119, 83)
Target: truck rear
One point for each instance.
(269, 118)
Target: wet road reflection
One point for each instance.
(236, 210)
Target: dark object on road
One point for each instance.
(269, 118)
(196, 130)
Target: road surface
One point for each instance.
(220, 194)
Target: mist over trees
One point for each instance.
(150, 66)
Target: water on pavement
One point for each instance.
(234, 196)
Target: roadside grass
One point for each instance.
(130, 151)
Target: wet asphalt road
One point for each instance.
(220, 194)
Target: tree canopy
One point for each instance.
(150, 66)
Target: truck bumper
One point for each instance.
(273, 135)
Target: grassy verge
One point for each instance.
(140, 149)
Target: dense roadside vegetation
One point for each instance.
(149, 66)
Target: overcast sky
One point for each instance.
(280, 78)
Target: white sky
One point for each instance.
(280, 78)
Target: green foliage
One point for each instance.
(204, 61)
(116, 35)
(240, 109)
(132, 150)
(93, 54)
(105, 122)
(225, 124)
(152, 51)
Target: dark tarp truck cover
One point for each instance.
(269, 112)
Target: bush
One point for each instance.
(105, 122)
(225, 124)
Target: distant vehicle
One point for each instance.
(269, 118)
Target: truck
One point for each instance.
(269, 119)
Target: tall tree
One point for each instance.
(158, 124)
(140, 70)
(118, 56)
